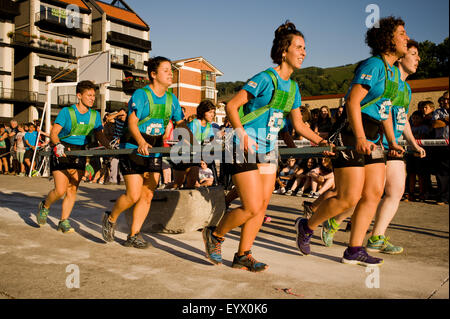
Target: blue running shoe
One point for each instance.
(247, 262)
(213, 245)
(303, 236)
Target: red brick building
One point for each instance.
(194, 80)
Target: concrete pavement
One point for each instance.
(43, 263)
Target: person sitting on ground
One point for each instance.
(286, 175)
(300, 176)
(205, 176)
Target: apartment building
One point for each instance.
(120, 30)
(194, 80)
(9, 10)
(40, 38)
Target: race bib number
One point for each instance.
(154, 129)
(274, 125)
(401, 120)
(384, 109)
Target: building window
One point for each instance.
(208, 79)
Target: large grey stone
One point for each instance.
(181, 211)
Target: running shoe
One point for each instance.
(329, 228)
(299, 194)
(303, 236)
(64, 226)
(307, 210)
(361, 257)
(247, 262)
(42, 214)
(136, 241)
(213, 245)
(108, 227)
(288, 193)
(381, 244)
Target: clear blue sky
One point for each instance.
(236, 36)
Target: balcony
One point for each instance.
(56, 20)
(23, 40)
(9, 9)
(128, 41)
(13, 95)
(67, 100)
(42, 71)
(124, 62)
(132, 83)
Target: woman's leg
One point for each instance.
(394, 188)
(328, 184)
(142, 206)
(192, 176)
(367, 205)
(133, 184)
(251, 227)
(349, 185)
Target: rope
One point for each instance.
(421, 142)
(289, 292)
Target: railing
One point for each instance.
(18, 95)
(44, 70)
(9, 8)
(67, 99)
(125, 60)
(129, 41)
(59, 18)
(132, 84)
(24, 39)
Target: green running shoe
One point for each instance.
(381, 244)
(65, 227)
(329, 228)
(42, 214)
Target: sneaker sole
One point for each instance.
(297, 222)
(66, 232)
(246, 268)
(373, 250)
(360, 263)
(215, 262)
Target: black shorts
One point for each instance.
(351, 158)
(134, 164)
(240, 167)
(28, 154)
(4, 151)
(68, 162)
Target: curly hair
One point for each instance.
(203, 107)
(380, 39)
(282, 41)
(85, 85)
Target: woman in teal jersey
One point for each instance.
(360, 173)
(149, 111)
(70, 131)
(202, 130)
(256, 133)
(395, 165)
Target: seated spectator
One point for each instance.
(285, 175)
(321, 178)
(300, 175)
(205, 176)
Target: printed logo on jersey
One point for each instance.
(252, 84)
(367, 77)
